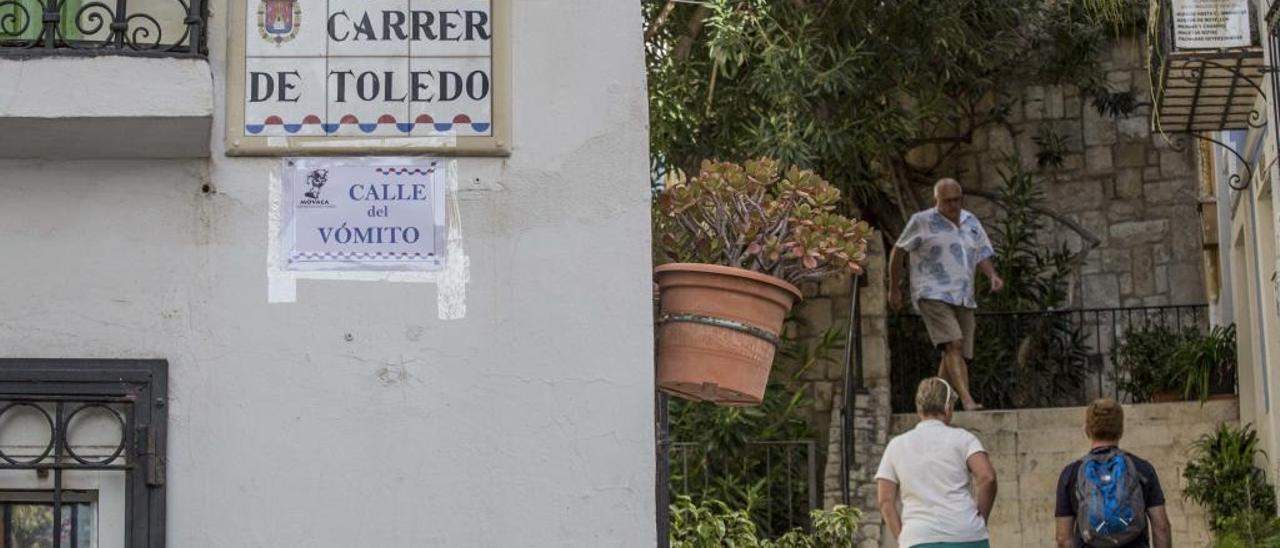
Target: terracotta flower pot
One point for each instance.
(718, 331)
(1166, 397)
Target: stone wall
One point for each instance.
(1119, 180)
(1030, 447)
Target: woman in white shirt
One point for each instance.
(930, 468)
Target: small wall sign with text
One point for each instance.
(1211, 24)
(368, 76)
(363, 214)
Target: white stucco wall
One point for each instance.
(355, 417)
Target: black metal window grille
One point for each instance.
(64, 393)
(140, 27)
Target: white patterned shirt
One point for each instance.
(944, 256)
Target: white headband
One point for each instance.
(944, 382)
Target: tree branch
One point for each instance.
(685, 46)
(660, 20)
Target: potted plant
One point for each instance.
(1206, 364)
(1145, 364)
(732, 244)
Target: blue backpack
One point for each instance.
(1110, 508)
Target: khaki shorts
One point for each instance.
(947, 322)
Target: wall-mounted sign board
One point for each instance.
(1211, 24)
(368, 76)
(363, 214)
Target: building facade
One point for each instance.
(1231, 112)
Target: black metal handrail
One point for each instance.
(1056, 358)
(144, 27)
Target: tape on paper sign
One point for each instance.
(367, 219)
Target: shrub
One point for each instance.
(1157, 358)
(1222, 478)
(1249, 530)
(1144, 360)
(712, 524)
(1206, 362)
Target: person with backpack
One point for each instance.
(942, 476)
(1110, 498)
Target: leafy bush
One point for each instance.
(1155, 358)
(709, 524)
(712, 524)
(1206, 362)
(1222, 478)
(1144, 360)
(1249, 530)
(755, 217)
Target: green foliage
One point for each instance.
(721, 457)
(1249, 530)
(1153, 358)
(1203, 362)
(710, 524)
(1222, 477)
(835, 528)
(713, 524)
(1144, 360)
(1120, 13)
(1035, 273)
(849, 88)
(753, 216)
(1051, 148)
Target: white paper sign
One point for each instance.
(363, 214)
(1211, 24)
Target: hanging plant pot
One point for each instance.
(718, 330)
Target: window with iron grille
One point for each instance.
(82, 453)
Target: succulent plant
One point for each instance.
(755, 217)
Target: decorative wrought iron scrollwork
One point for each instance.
(138, 37)
(89, 20)
(1235, 181)
(15, 22)
(1257, 118)
(104, 25)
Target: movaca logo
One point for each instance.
(315, 185)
